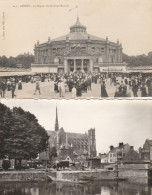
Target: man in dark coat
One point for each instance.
(13, 87)
(143, 90)
(135, 89)
(3, 88)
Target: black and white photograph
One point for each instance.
(75, 49)
(55, 147)
(75, 97)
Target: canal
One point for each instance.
(94, 188)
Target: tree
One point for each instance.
(140, 60)
(25, 137)
(24, 59)
(6, 120)
(4, 62)
(52, 153)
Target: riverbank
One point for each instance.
(23, 176)
(36, 175)
(140, 173)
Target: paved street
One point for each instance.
(47, 91)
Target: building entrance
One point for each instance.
(78, 65)
(86, 65)
(71, 65)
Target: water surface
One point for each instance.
(94, 188)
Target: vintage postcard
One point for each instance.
(51, 147)
(75, 49)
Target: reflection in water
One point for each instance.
(95, 188)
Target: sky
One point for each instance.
(115, 121)
(130, 21)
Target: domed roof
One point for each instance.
(78, 32)
(78, 27)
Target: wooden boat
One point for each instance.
(53, 179)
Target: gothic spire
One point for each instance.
(56, 121)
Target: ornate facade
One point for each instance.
(77, 51)
(72, 144)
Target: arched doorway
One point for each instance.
(86, 65)
(71, 65)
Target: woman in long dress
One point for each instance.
(20, 85)
(103, 90)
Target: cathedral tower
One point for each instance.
(92, 143)
(56, 121)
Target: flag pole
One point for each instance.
(77, 13)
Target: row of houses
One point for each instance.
(121, 154)
(124, 153)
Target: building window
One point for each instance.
(102, 49)
(58, 50)
(54, 50)
(83, 48)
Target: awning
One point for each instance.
(44, 69)
(106, 69)
(5, 74)
(139, 71)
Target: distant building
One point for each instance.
(77, 51)
(145, 153)
(116, 154)
(93, 163)
(131, 156)
(73, 145)
(103, 158)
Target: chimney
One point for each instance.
(121, 144)
(117, 41)
(49, 40)
(107, 40)
(111, 147)
(131, 148)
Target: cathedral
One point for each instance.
(75, 146)
(78, 51)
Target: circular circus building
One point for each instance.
(78, 51)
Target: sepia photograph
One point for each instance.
(51, 147)
(75, 49)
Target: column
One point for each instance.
(91, 65)
(150, 153)
(81, 64)
(65, 66)
(75, 67)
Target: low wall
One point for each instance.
(139, 173)
(77, 175)
(135, 173)
(22, 176)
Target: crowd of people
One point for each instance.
(124, 84)
(80, 82)
(76, 83)
(9, 85)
